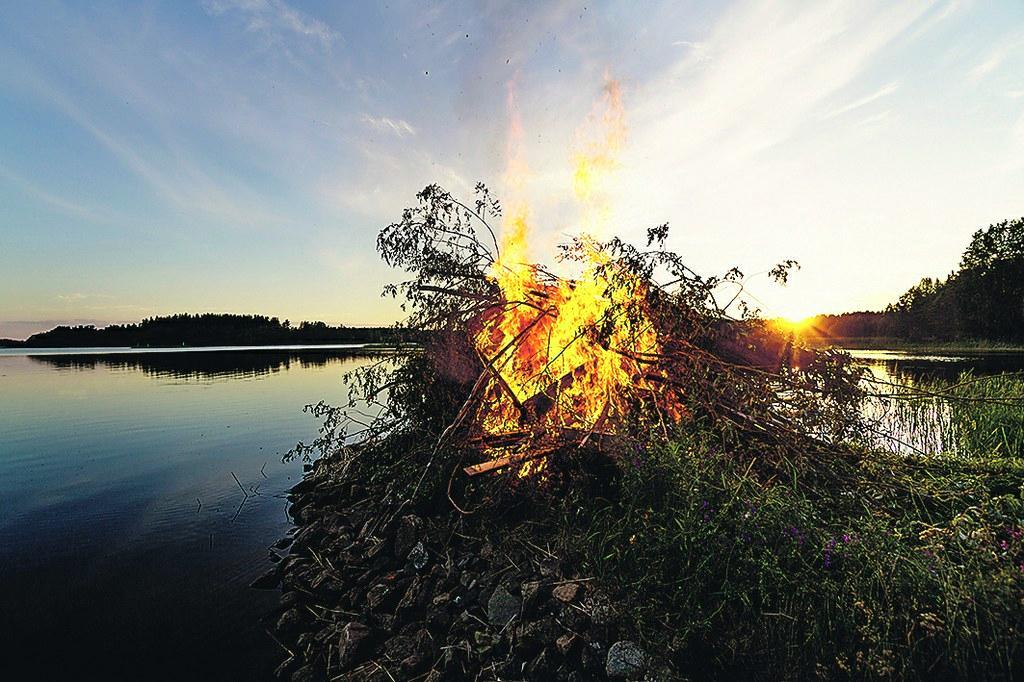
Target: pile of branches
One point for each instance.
(733, 377)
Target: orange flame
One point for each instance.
(595, 157)
(549, 369)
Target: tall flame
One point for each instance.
(595, 156)
(549, 369)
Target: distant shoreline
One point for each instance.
(892, 343)
(206, 330)
(132, 350)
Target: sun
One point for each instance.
(794, 326)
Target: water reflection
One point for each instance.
(126, 545)
(204, 364)
(903, 413)
(902, 366)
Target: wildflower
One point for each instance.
(795, 533)
(829, 546)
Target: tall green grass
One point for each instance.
(972, 416)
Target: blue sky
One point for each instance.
(240, 155)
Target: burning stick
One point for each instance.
(501, 462)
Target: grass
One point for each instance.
(971, 417)
(907, 568)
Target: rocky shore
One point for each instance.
(375, 590)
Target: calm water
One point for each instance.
(928, 425)
(892, 365)
(126, 546)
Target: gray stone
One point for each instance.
(289, 621)
(502, 607)
(531, 593)
(418, 556)
(410, 527)
(626, 660)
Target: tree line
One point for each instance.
(983, 299)
(209, 329)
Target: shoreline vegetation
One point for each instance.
(980, 302)
(209, 329)
(728, 544)
(910, 346)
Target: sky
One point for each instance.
(241, 155)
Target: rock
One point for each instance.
(307, 673)
(566, 593)
(602, 614)
(377, 594)
(400, 647)
(411, 596)
(413, 663)
(565, 643)
(268, 581)
(410, 528)
(502, 607)
(550, 568)
(531, 637)
(626, 660)
(289, 621)
(531, 593)
(355, 643)
(418, 556)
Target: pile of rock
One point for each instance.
(373, 592)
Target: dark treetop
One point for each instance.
(203, 330)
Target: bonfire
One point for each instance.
(622, 344)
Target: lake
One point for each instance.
(895, 365)
(126, 545)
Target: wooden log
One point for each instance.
(501, 462)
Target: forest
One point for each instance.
(208, 329)
(982, 300)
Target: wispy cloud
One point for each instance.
(273, 18)
(863, 101)
(997, 56)
(171, 173)
(698, 51)
(62, 204)
(78, 296)
(399, 127)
